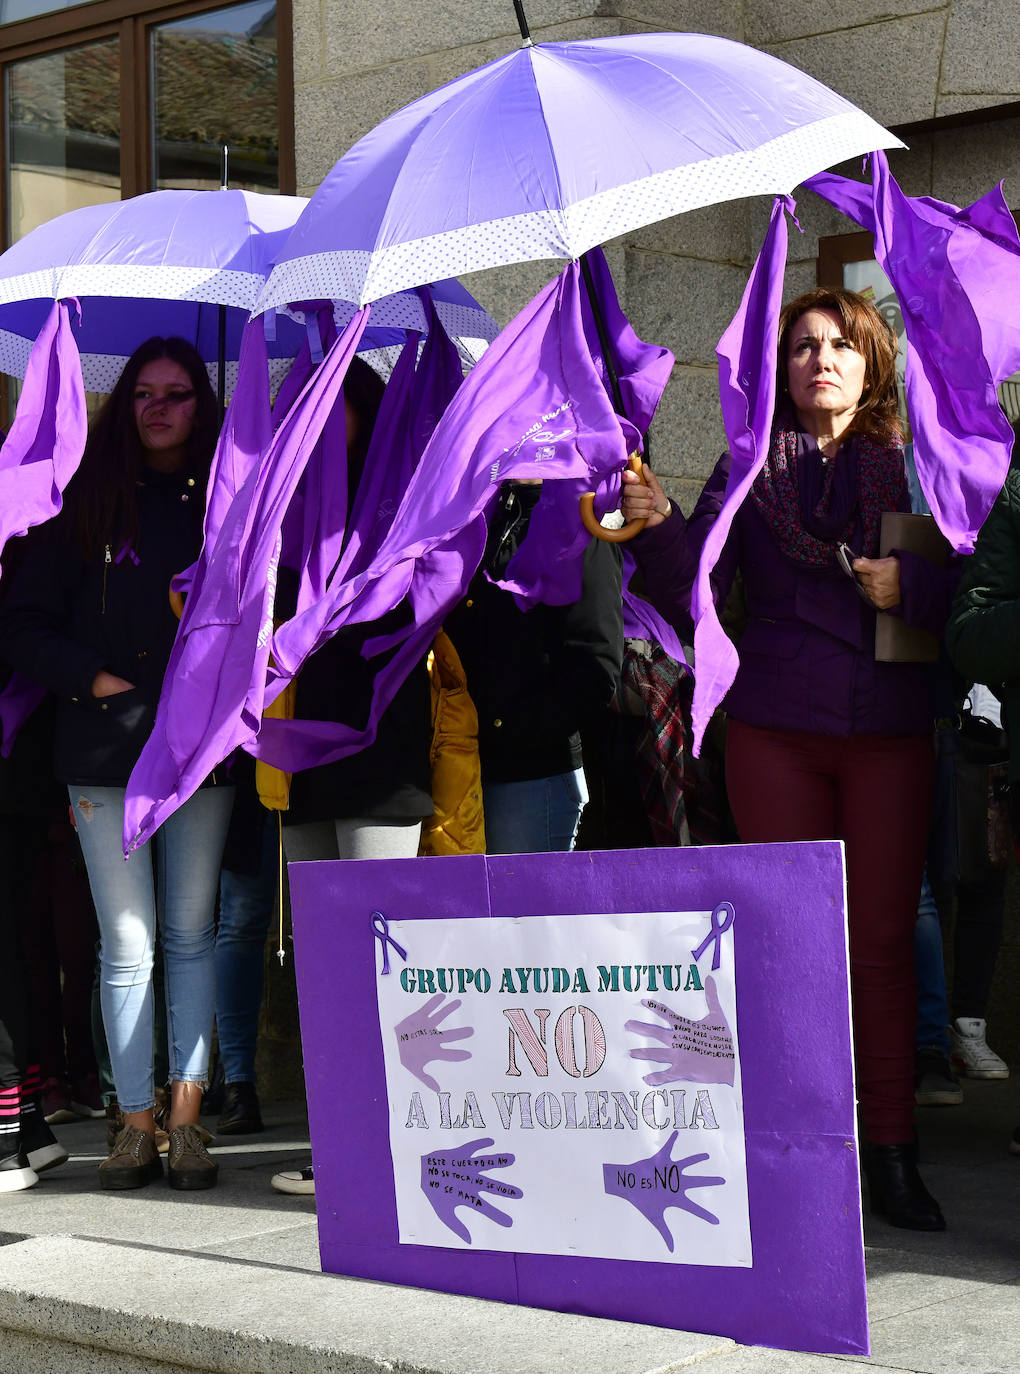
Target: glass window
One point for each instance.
(214, 83)
(63, 132)
(13, 10)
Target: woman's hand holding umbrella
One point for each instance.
(644, 499)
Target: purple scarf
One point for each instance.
(810, 505)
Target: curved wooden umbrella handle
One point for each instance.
(627, 531)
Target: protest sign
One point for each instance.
(614, 1083)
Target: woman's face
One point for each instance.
(825, 372)
(164, 402)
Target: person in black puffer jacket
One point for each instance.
(536, 677)
(89, 618)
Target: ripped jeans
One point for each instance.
(172, 880)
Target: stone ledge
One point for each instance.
(138, 1310)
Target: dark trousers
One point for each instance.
(17, 1031)
(873, 792)
(58, 941)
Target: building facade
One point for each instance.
(114, 97)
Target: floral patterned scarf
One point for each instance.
(811, 504)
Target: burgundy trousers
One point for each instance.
(873, 792)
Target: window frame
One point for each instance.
(130, 21)
(835, 251)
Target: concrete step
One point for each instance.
(72, 1304)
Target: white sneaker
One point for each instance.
(298, 1181)
(971, 1054)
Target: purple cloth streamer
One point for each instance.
(417, 395)
(498, 426)
(642, 621)
(956, 274)
(47, 439)
(38, 458)
(540, 368)
(213, 692)
(747, 393)
(547, 566)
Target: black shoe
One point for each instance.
(15, 1171)
(895, 1189)
(41, 1146)
(241, 1114)
(935, 1084)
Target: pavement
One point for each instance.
(160, 1282)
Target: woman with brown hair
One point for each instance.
(824, 742)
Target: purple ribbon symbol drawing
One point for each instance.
(722, 919)
(381, 931)
(453, 1178)
(419, 1039)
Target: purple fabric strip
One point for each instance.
(547, 566)
(642, 621)
(956, 274)
(417, 394)
(47, 439)
(214, 688)
(244, 437)
(747, 392)
(534, 406)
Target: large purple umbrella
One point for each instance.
(556, 147)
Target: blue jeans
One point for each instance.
(932, 1012)
(247, 901)
(539, 816)
(171, 879)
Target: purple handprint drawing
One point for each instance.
(454, 1178)
(420, 1040)
(693, 1051)
(652, 1185)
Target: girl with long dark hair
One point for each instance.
(89, 617)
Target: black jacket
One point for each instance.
(536, 676)
(65, 619)
(390, 780)
(983, 634)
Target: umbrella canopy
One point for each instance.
(160, 263)
(164, 263)
(556, 147)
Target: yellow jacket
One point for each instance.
(457, 825)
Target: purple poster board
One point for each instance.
(804, 1287)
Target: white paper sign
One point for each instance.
(568, 1085)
